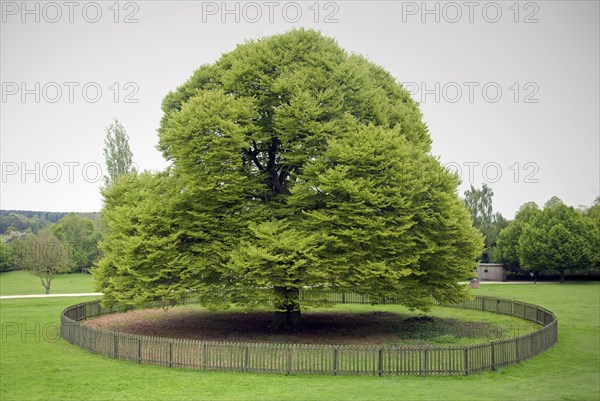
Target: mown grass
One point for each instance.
(38, 368)
(25, 283)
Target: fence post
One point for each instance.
(65, 329)
(466, 361)
(288, 360)
(116, 345)
(335, 361)
(517, 350)
(380, 362)
(493, 357)
(170, 354)
(139, 341)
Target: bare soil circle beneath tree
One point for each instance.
(317, 327)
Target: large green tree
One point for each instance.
(294, 165)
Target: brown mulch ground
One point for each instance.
(316, 327)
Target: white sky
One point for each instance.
(539, 137)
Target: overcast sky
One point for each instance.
(510, 91)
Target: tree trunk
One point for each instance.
(287, 317)
(46, 283)
(288, 320)
(562, 276)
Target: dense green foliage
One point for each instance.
(556, 238)
(391, 221)
(142, 261)
(293, 165)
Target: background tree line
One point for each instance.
(26, 220)
(74, 237)
(557, 238)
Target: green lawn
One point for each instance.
(22, 283)
(34, 367)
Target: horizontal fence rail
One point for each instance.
(320, 359)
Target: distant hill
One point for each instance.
(22, 220)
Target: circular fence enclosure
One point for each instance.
(320, 359)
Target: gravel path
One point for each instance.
(83, 294)
(95, 294)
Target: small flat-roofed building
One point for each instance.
(491, 272)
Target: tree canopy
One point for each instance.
(294, 166)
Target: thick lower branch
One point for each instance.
(253, 153)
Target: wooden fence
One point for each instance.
(320, 359)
